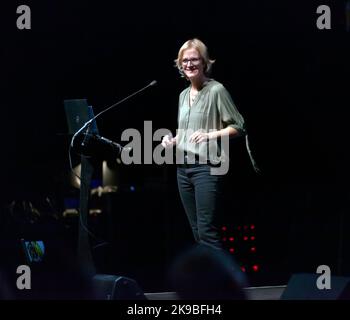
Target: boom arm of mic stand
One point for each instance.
(88, 123)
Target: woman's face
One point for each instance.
(192, 64)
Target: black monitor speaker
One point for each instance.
(112, 287)
(303, 286)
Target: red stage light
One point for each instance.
(243, 269)
(255, 268)
(253, 249)
(245, 238)
(224, 228)
(231, 238)
(252, 227)
(224, 239)
(252, 238)
(232, 250)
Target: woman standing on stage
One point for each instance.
(206, 115)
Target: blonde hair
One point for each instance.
(202, 50)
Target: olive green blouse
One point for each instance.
(212, 109)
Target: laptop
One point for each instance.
(34, 251)
(78, 112)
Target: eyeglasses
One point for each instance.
(194, 61)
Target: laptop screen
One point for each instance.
(78, 112)
(34, 251)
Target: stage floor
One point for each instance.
(253, 293)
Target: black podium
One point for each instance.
(92, 147)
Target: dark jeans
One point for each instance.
(201, 196)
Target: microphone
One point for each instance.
(89, 122)
(115, 146)
(101, 146)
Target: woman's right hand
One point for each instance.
(168, 141)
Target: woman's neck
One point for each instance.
(197, 84)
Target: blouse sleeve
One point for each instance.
(229, 114)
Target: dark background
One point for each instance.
(288, 79)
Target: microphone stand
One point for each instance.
(85, 258)
(88, 123)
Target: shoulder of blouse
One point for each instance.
(217, 87)
(183, 92)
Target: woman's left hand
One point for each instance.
(199, 136)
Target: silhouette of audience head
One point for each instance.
(206, 273)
